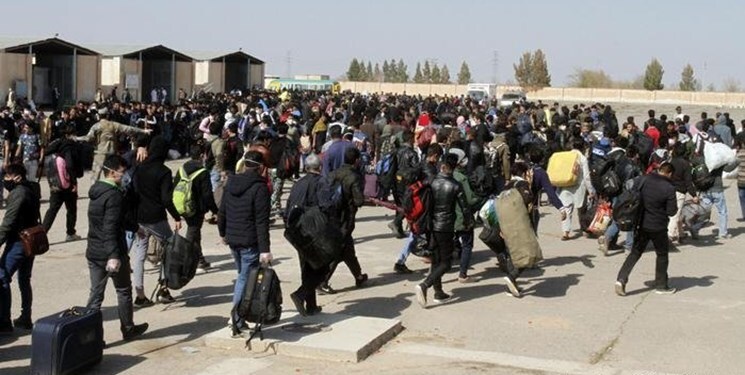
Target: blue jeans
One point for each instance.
(466, 248)
(742, 201)
(245, 259)
(613, 231)
(214, 178)
(406, 250)
(14, 260)
(716, 198)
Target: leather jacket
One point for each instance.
(446, 193)
(407, 165)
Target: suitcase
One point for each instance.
(371, 186)
(563, 169)
(66, 342)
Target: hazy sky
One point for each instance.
(322, 36)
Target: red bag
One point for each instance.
(415, 205)
(603, 217)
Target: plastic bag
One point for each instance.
(488, 213)
(603, 217)
(717, 155)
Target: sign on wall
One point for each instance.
(132, 81)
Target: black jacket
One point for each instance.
(202, 196)
(106, 239)
(72, 153)
(154, 186)
(243, 218)
(659, 202)
(682, 177)
(446, 193)
(305, 192)
(352, 197)
(407, 165)
(21, 211)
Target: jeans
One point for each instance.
(441, 257)
(13, 260)
(612, 232)
(70, 199)
(406, 250)
(716, 198)
(742, 201)
(163, 232)
(123, 285)
(661, 248)
(214, 178)
(466, 245)
(32, 167)
(277, 186)
(245, 258)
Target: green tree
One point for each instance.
(418, 77)
(688, 81)
(586, 78)
(363, 73)
(402, 72)
(436, 74)
(427, 72)
(386, 71)
(531, 71)
(445, 75)
(377, 73)
(353, 73)
(653, 76)
(464, 75)
(394, 71)
(370, 75)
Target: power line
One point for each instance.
(495, 67)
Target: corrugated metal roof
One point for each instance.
(119, 50)
(216, 55)
(7, 43)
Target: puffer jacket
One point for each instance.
(106, 238)
(446, 193)
(243, 218)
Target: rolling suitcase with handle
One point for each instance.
(66, 342)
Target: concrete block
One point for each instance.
(331, 337)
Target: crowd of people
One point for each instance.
(436, 161)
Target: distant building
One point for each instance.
(226, 71)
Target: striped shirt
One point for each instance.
(741, 168)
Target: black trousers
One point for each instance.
(70, 199)
(123, 285)
(398, 195)
(661, 247)
(349, 257)
(194, 232)
(499, 247)
(310, 278)
(442, 255)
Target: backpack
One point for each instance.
(330, 194)
(604, 178)
(493, 160)
(289, 162)
(262, 300)
(183, 198)
(645, 144)
(416, 205)
(524, 125)
(180, 262)
(482, 183)
(702, 178)
(628, 210)
(53, 177)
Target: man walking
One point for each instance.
(658, 205)
(107, 251)
(64, 190)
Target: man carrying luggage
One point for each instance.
(107, 251)
(243, 224)
(21, 212)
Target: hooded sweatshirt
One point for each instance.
(154, 185)
(243, 218)
(106, 238)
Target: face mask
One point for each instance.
(10, 184)
(126, 180)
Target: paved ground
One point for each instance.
(569, 322)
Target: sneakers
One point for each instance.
(421, 294)
(401, 269)
(441, 297)
(465, 279)
(620, 288)
(512, 287)
(164, 296)
(143, 302)
(665, 291)
(361, 281)
(396, 230)
(24, 323)
(603, 245)
(725, 237)
(203, 264)
(314, 310)
(72, 237)
(6, 329)
(299, 304)
(325, 289)
(135, 331)
(694, 235)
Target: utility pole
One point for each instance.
(288, 60)
(495, 67)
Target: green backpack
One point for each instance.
(182, 193)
